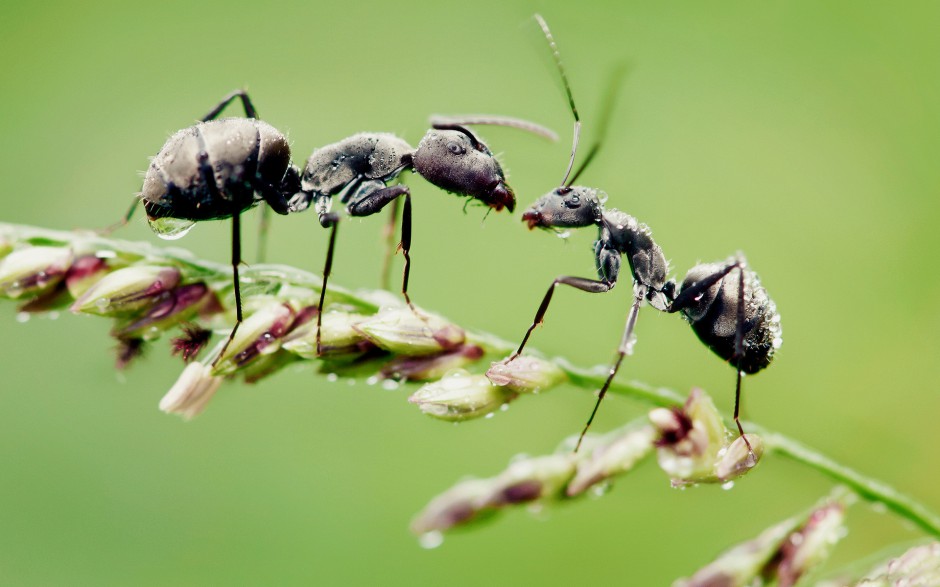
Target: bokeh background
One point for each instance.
(803, 133)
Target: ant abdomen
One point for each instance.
(245, 155)
(713, 315)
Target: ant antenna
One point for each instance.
(449, 122)
(607, 108)
(564, 79)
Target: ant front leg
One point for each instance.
(607, 260)
(582, 283)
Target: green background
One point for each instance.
(802, 133)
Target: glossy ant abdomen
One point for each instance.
(215, 169)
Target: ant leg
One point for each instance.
(236, 261)
(739, 353)
(250, 111)
(388, 233)
(625, 348)
(687, 296)
(369, 201)
(406, 248)
(331, 220)
(123, 222)
(582, 283)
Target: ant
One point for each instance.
(360, 168)
(735, 318)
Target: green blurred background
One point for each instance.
(803, 133)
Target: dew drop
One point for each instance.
(600, 489)
(489, 416)
(53, 315)
(430, 540)
(390, 384)
(728, 486)
(332, 377)
(22, 317)
(372, 380)
(170, 228)
(102, 303)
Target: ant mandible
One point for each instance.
(736, 319)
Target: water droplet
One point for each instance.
(504, 407)
(102, 303)
(564, 234)
(53, 315)
(22, 317)
(489, 416)
(600, 489)
(431, 539)
(332, 377)
(170, 228)
(390, 384)
(727, 486)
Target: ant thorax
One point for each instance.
(633, 239)
(363, 156)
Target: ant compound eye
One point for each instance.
(573, 202)
(455, 148)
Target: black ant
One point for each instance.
(360, 168)
(734, 318)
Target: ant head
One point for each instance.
(565, 207)
(458, 162)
